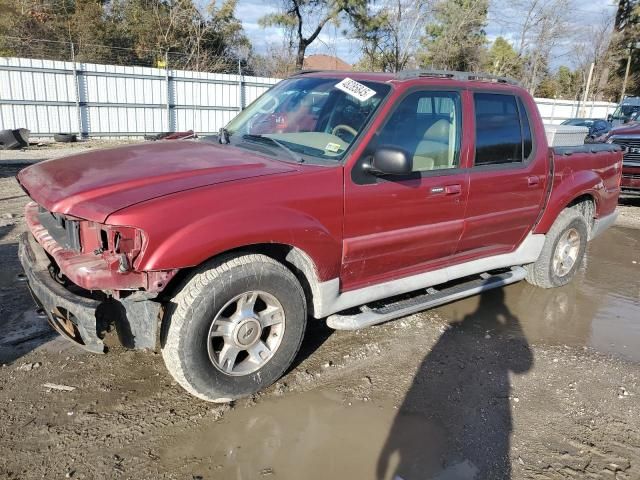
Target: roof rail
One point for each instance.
(304, 72)
(483, 77)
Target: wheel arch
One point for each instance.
(586, 205)
(585, 200)
(293, 258)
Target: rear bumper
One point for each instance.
(82, 317)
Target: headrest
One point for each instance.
(438, 132)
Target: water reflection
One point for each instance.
(599, 308)
(311, 436)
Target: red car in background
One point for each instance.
(628, 137)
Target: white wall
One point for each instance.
(49, 97)
(555, 111)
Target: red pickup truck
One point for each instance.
(628, 137)
(356, 198)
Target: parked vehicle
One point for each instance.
(383, 195)
(625, 111)
(628, 137)
(598, 128)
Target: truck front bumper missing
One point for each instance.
(83, 317)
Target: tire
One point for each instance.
(211, 313)
(65, 137)
(14, 139)
(571, 227)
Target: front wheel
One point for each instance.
(563, 250)
(234, 327)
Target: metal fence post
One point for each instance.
(169, 91)
(76, 91)
(243, 100)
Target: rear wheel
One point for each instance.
(562, 253)
(234, 327)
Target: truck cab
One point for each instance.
(625, 112)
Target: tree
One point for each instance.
(303, 20)
(389, 32)
(539, 27)
(456, 39)
(130, 32)
(625, 49)
(503, 60)
(569, 83)
(279, 61)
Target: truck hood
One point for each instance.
(627, 129)
(95, 184)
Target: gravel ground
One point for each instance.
(492, 387)
(48, 150)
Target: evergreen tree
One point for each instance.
(503, 60)
(456, 38)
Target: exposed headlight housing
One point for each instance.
(120, 245)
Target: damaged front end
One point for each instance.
(82, 275)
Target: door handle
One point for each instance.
(452, 189)
(533, 180)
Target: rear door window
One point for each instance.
(503, 132)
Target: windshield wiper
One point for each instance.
(223, 136)
(260, 138)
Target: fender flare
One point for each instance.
(581, 183)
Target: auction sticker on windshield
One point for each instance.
(355, 89)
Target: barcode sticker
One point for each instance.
(355, 89)
(332, 147)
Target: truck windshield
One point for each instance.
(626, 110)
(309, 117)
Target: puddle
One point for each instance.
(316, 436)
(600, 308)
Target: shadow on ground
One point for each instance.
(463, 389)
(12, 169)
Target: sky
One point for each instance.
(333, 42)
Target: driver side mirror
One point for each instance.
(609, 117)
(391, 161)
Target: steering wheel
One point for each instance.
(345, 128)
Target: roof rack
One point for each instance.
(483, 77)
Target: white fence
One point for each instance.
(555, 111)
(49, 97)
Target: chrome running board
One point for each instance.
(432, 298)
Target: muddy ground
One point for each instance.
(519, 383)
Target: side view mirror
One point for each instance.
(391, 161)
(609, 117)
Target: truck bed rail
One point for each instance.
(587, 148)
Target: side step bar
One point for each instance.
(433, 298)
